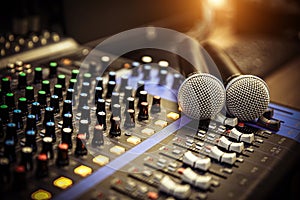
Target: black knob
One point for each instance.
(67, 107)
(47, 147)
(87, 77)
(130, 103)
(101, 117)
(38, 75)
(80, 149)
(115, 98)
(36, 110)
(48, 115)
(142, 97)
(58, 91)
(42, 98)
(11, 132)
(41, 166)
(22, 80)
(62, 155)
(72, 83)
(162, 77)
(129, 119)
(143, 113)
(30, 140)
(110, 88)
(29, 94)
(22, 105)
(85, 113)
(31, 123)
(66, 137)
(140, 87)
(177, 80)
(84, 128)
(98, 136)
(115, 129)
(85, 87)
(75, 72)
(105, 61)
(135, 68)
(10, 150)
(5, 85)
(1, 97)
(61, 80)
(98, 93)
(46, 87)
(155, 104)
(1, 129)
(93, 67)
(17, 119)
(116, 111)
(19, 182)
(124, 83)
(112, 76)
(26, 158)
(54, 103)
(100, 106)
(128, 93)
(10, 101)
(50, 131)
(4, 171)
(83, 100)
(68, 121)
(53, 69)
(147, 70)
(70, 93)
(4, 113)
(99, 81)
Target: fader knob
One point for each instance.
(47, 147)
(110, 88)
(26, 158)
(17, 119)
(80, 149)
(98, 136)
(143, 113)
(62, 155)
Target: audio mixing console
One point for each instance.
(71, 133)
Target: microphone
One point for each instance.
(201, 96)
(247, 96)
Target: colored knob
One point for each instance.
(177, 80)
(30, 140)
(48, 115)
(26, 158)
(58, 91)
(100, 106)
(38, 75)
(42, 98)
(68, 121)
(143, 113)
(85, 113)
(41, 166)
(17, 119)
(66, 137)
(130, 103)
(83, 100)
(5, 85)
(72, 83)
(85, 87)
(142, 97)
(22, 80)
(4, 171)
(70, 93)
(36, 110)
(162, 77)
(98, 136)
(62, 158)
(53, 69)
(84, 128)
(98, 93)
(4, 113)
(47, 147)
(22, 105)
(61, 80)
(146, 70)
(87, 77)
(31, 123)
(11, 132)
(46, 87)
(116, 111)
(67, 107)
(123, 84)
(75, 72)
(110, 88)
(115, 98)
(115, 129)
(99, 81)
(54, 103)
(50, 131)
(10, 150)
(80, 149)
(19, 182)
(101, 117)
(112, 76)
(29, 94)
(10, 101)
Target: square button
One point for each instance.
(148, 131)
(117, 150)
(161, 123)
(41, 194)
(134, 140)
(101, 160)
(62, 182)
(173, 115)
(83, 170)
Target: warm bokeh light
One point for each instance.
(217, 3)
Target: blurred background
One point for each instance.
(261, 36)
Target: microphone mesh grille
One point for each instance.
(247, 97)
(201, 96)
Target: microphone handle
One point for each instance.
(227, 67)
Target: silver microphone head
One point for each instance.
(201, 96)
(247, 97)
